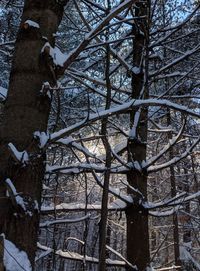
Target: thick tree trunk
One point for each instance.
(137, 217)
(27, 111)
(137, 229)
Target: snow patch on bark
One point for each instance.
(58, 57)
(20, 156)
(19, 200)
(32, 23)
(43, 138)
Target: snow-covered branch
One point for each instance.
(49, 223)
(121, 109)
(174, 160)
(78, 257)
(74, 54)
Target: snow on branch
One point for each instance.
(75, 168)
(57, 56)
(98, 81)
(120, 109)
(192, 196)
(133, 130)
(102, 8)
(11, 42)
(78, 168)
(179, 199)
(22, 204)
(67, 207)
(64, 221)
(116, 192)
(78, 257)
(121, 204)
(175, 28)
(75, 53)
(165, 213)
(114, 52)
(69, 141)
(172, 142)
(14, 196)
(121, 257)
(174, 160)
(42, 137)
(5, 52)
(176, 61)
(173, 267)
(20, 157)
(117, 205)
(95, 90)
(31, 24)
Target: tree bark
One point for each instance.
(137, 217)
(173, 194)
(26, 111)
(103, 238)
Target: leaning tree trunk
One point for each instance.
(26, 111)
(137, 216)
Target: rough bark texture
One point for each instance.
(26, 111)
(137, 217)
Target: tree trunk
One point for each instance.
(137, 217)
(173, 194)
(103, 238)
(26, 111)
(187, 226)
